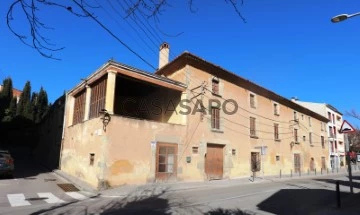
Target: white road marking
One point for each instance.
(51, 198)
(106, 196)
(76, 195)
(16, 200)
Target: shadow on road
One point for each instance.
(300, 201)
(342, 182)
(154, 201)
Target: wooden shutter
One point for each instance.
(79, 107)
(252, 126)
(98, 95)
(215, 118)
(276, 131)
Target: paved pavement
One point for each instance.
(34, 191)
(308, 194)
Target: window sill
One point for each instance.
(254, 137)
(217, 130)
(277, 140)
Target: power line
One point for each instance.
(112, 34)
(137, 33)
(259, 122)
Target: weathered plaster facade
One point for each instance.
(335, 139)
(132, 147)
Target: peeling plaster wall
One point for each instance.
(132, 148)
(235, 134)
(81, 140)
(126, 152)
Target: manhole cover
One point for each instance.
(36, 198)
(68, 187)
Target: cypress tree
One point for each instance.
(24, 99)
(42, 105)
(12, 107)
(5, 96)
(11, 111)
(7, 91)
(34, 109)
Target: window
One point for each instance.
(296, 135)
(304, 138)
(97, 100)
(215, 86)
(276, 109)
(333, 118)
(215, 118)
(334, 131)
(329, 116)
(277, 158)
(79, 107)
(331, 132)
(195, 150)
(302, 116)
(166, 159)
(309, 121)
(322, 142)
(255, 161)
(332, 147)
(295, 116)
(338, 118)
(252, 127)
(92, 159)
(322, 126)
(310, 138)
(252, 101)
(233, 151)
(276, 131)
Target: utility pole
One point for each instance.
(347, 151)
(345, 129)
(203, 87)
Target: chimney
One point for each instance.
(164, 55)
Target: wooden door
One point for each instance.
(214, 161)
(312, 164)
(166, 161)
(297, 163)
(255, 162)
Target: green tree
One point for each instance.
(24, 101)
(11, 111)
(42, 105)
(5, 96)
(33, 109)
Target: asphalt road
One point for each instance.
(34, 190)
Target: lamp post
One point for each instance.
(342, 17)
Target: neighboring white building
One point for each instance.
(335, 139)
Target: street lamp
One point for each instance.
(342, 17)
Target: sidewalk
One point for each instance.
(159, 187)
(181, 186)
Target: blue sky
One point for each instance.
(290, 48)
